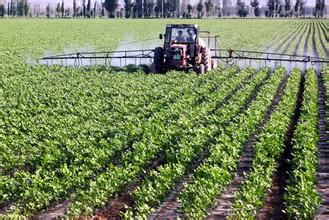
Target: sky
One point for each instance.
(70, 2)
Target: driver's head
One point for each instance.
(189, 31)
(180, 33)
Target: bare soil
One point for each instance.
(323, 167)
(274, 206)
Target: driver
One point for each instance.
(180, 37)
(191, 35)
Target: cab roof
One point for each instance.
(182, 26)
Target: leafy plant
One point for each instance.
(301, 195)
(270, 145)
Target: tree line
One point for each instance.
(162, 8)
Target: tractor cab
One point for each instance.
(186, 34)
(179, 44)
(182, 49)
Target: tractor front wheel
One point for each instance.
(158, 60)
(213, 64)
(201, 69)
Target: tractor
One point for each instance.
(183, 49)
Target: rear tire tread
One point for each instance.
(206, 59)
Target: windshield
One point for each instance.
(183, 35)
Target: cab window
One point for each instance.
(183, 35)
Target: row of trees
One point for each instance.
(15, 8)
(278, 9)
(161, 8)
(87, 10)
(170, 8)
(320, 6)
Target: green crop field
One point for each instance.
(117, 142)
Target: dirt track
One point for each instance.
(323, 168)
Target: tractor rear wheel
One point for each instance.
(158, 60)
(206, 59)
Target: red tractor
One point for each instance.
(183, 49)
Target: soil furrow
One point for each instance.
(4, 208)
(224, 202)
(171, 208)
(274, 205)
(314, 49)
(324, 48)
(306, 41)
(300, 39)
(323, 154)
(117, 205)
(315, 52)
(110, 210)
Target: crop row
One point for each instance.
(71, 133)
(288, 44)
(325, 76)
(56, 152)
(38, 194)
(280, 41)
(162, 180)
(298, 48)
(43, 146)
(267, 150)
(301, 195)
(47, 103)
(217, 171)
(154, 143)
